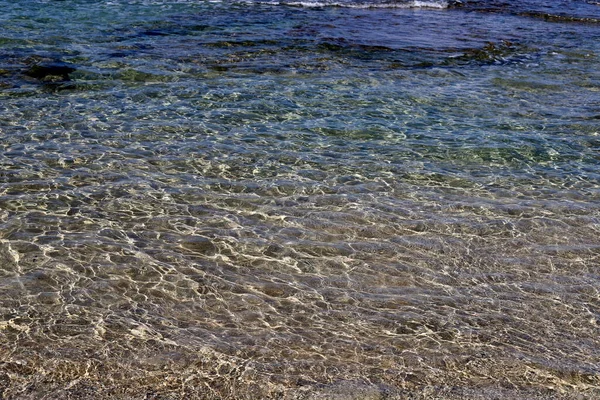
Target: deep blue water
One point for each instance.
(299, 200)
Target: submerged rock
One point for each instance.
(50, 72)
(200, 244)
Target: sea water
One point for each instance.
(294, 199)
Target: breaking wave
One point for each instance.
(434, 4)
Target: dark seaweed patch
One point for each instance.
(560, 18)
(491, 53)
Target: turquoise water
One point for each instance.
(342, 200)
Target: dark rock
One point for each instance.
(51, 72)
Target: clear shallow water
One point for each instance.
(249, 200)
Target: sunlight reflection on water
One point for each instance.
(254, 201)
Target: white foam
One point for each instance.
(318, 4)
(430, 4)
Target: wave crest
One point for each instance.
(435, 4)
